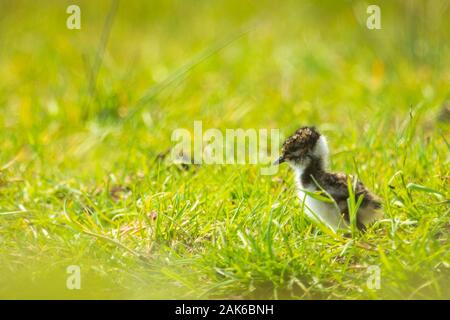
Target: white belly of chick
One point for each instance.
(320, 211)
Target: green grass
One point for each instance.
(81, 182)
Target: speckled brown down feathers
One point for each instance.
(306, 151)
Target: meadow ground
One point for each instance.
(86, 114)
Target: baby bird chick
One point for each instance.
(306, 151)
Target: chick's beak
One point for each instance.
(278, 161)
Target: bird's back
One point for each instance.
(336, 185)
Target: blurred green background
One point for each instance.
(85, 116)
